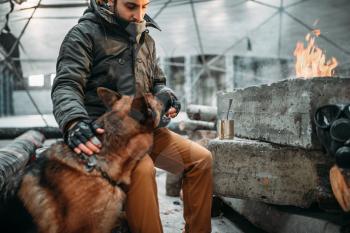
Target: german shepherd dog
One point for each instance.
(62, 192)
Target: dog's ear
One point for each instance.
(108, 96)
(151, 109)
(139, 103)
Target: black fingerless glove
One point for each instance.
(176, 104)
(81, 132)
(168, 98)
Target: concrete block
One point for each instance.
(272, 220)
(269, 173)
(283, 112)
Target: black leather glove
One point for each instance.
(176, 104)
(165, 99)
(168, 98)
(81, 132)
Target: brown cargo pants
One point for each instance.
(174, 154)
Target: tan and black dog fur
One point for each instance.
(60, 194)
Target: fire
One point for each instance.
(311, 61)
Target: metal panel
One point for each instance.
(6, 90)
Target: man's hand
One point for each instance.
(81, 137)
(171, 104)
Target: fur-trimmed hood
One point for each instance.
(95, 10)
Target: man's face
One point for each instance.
(132, 10)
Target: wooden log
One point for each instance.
(16, 155)
(11, 133)
(202, 112)
(174, 126)
(340, 182)
(191, 125)
(182, 127)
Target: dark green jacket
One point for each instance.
(99, 52)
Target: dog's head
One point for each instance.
(143, 108)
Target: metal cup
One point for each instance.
(226, 129)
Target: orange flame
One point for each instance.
(311, 61)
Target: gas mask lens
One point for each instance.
(325, 115)
(340, 130)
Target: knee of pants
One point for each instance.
(144, 169)
(207, 160)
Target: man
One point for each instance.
(111, 47)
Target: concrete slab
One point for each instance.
(269, 173)
(283, 111)
(273, 220)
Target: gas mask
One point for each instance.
(333, 130)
